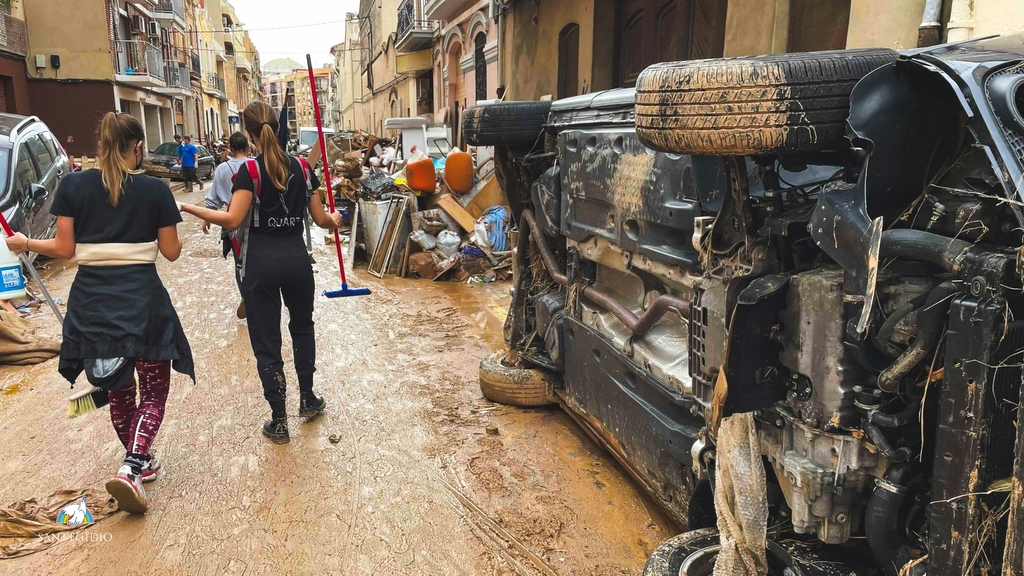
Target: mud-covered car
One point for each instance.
(786, 293)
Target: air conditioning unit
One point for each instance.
(154, 29)
(138, 24)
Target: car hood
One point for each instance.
(161, 159)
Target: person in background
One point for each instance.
(220, 196)
(115, 220)
(177, 139)
(275, 265)
(189, 157)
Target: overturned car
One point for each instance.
(786, 293)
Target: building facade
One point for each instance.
(13, 50)
(158, 60)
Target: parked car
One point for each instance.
(821, 249)
(32, 164)
(163, 162)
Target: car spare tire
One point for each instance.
(514, 386)
(512, 124)
(751, 105)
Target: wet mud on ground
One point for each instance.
(412, 485)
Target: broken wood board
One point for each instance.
(456, 211)
(487, 193)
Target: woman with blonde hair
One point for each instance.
(115, 221)
(271, 198)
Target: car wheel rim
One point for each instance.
(701, 562)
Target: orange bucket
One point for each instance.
(458, 172)
(420, 175)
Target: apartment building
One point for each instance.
(347, 104)
(304, 112)
(13, 50)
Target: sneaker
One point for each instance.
(311, 405)
(277, 431)
(127, 489)
(150, 468)
(241, 310)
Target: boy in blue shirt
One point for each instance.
(189, 155)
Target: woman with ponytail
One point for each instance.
(271, 198)
(115, 221)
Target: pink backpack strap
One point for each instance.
(254, 172)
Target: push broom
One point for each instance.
(89, 398)
(345, 291)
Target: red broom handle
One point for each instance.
(7, 227)
(323, 156)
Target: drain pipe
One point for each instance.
(929, 33)
(961, 21)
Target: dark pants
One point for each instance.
(279, 269)
(190, 175)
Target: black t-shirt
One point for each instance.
(146, 205)
(280, 213)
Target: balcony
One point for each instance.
(13, 35)
(413, 35)
(178, 80)
(197, 67)
(139, 63)
(443, 9)
(215, 85)
(242, 62)
(171, 10)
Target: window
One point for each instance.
(43, 157)
(25, 174)
(51, 146)
(481, 67)
(569, 61)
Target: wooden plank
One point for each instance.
(490, 194)
(456, 211)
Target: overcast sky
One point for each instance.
(309, 36)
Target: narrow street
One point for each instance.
(398, 476)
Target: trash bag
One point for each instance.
(448, 243)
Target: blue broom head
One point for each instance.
(346, 292)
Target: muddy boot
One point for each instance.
(310, 404)
(277, 427)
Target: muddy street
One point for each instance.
(400, 475)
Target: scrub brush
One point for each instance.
(86, 400)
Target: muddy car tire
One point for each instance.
(512, 124)
(752, 105)
(513, 386)
(698, 547)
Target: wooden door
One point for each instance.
(653, 31)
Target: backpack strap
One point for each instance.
(254, 173)
(308, 174)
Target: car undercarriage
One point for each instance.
(709, 252)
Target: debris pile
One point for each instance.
(440, 215)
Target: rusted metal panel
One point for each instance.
(963, 436)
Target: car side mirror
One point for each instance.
(38, 192)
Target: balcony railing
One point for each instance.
(139, 58)
(413, 34)
(176, 75)
(197, 65)
(215, 82)
(171, 8)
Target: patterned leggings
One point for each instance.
(136, 426)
